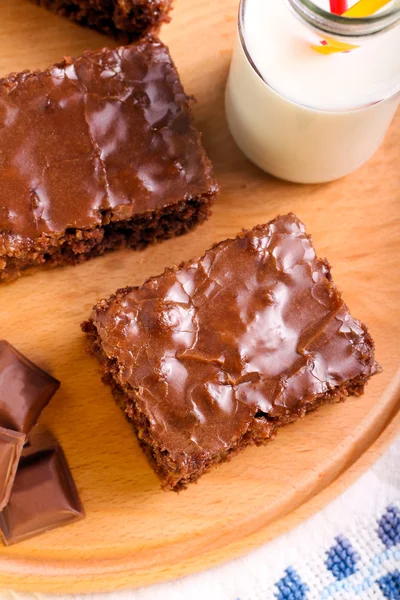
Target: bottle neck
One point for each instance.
(345, 27)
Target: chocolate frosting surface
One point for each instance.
(101, 137)
(254, 328)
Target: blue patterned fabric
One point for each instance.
(389, 527)
(290, 587)
(352, 575)
(390, 585)
(342, 558)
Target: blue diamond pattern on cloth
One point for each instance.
(390, 585)
(291, 587)
(342, 559)
(389, 527)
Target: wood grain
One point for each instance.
(134, 533)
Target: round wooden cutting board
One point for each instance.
(135, 534)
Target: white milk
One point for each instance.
(309, 117)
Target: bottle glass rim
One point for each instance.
(341, 26)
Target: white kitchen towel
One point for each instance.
(348, 551)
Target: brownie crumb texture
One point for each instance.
(126, 20)
(78, 246)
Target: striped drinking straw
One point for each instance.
(363, 8)
(338, 7)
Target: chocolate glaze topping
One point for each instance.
(95, 139)
(254, 328)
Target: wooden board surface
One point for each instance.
(134, 533)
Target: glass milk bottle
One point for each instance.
(310, 94)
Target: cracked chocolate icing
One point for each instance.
(253, 329)
(93, 140)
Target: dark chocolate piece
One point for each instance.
(123, 19)
(11, 444)
(222, 351)
(97, 153)
(25, 390)
(44, 495)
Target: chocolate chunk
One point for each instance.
(222, 351)
(44, 495)
(25, 390)
(11, 444)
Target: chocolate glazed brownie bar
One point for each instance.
(119, 18)
(97, 153)
(219, 353)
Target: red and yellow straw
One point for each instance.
(338, 7)
(363, 8)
